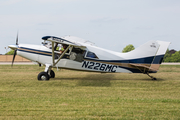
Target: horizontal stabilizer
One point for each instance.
(143, 68)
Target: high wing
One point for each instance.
(64, 40)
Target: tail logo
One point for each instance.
(153, 45)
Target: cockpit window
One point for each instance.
(49, 45)
(91, 55)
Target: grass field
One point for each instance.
(83, 95)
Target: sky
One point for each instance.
(110, 24)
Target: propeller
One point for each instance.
(15, 51)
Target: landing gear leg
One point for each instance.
(153, 78)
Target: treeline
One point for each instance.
(169, 57)
(11, 52)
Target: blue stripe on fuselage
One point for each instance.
(146, 60)
(34, 51)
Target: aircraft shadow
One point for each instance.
(103, 80)
(96, 80)
(92, 80)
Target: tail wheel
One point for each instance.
(52, 74)
(43, 76)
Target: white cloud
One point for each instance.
(109, 20)
(9, 2)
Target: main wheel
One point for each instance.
(43, 76)
(52, 74)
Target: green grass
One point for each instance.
(83, 95)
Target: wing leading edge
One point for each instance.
(62, 41)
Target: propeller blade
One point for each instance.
(14, 47)
(14, 57)
(17, 39)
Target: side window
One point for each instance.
(91, 55)
(69, 51)
(77, 54)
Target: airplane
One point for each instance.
(83, 55)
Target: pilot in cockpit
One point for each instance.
(63, 48)
(60, 49)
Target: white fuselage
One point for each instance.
(147, 57)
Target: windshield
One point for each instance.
(48, 44)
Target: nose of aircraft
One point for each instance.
(14, 47)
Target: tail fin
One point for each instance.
(146, 52)
(147, 57)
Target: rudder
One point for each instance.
(159, 55)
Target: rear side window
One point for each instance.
(91, 55)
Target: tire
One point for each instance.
(43, 76)
(52, 74)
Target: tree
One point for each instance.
(167, 56)
(172, 57)
(128, 48)
(176, 57)
(11, 52)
